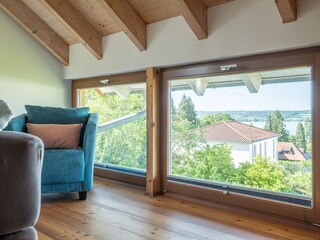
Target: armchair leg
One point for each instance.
(83, 195)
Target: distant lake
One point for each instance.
(291, 126)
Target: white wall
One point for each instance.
(238, 28)
(29, 74)
(271, 149)
(240, 152)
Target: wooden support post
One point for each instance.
(153, 187)
(316, 138)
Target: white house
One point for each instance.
(247, 141)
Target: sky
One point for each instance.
(284, 96)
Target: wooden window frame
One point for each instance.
(262, 62)
(151, 77)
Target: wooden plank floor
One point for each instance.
(118, 211)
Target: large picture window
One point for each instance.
(240, 132)
(121, 142)
(248, 133)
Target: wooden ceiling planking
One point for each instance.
(154, 10)
(97, 16)
(105, 17)
(51, 21)
(212, 3)
(73, 20)
(150, 11)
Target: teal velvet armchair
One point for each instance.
(64, 170)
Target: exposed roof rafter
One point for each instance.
(77, 24)
(252, 81)
(199, 86)
(195, 13)
(287, 10)
(128, 20)
(122, 91)
(34, 25)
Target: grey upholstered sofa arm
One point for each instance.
(21, 157)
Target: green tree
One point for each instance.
(300, 136)
(308, 129)
(211, 163)
(265, 174)
(275, 123)
(186, 111)
(240, 176)
(126, 144)
(214, 119)
(268, 125)
(173, 109)
(279, 127)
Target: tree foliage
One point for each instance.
(299, 177)
(215, 119)
(124, 145)
(209, 163)
(308, 129)
(268, 125)
(265, 174)
(186, 111)
(300, 136)
(275, 123)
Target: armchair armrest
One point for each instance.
(17, 124)
(89, 143)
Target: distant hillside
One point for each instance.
(260, 116)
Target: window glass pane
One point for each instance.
(251, 130)
(121, 140)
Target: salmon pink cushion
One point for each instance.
(56, 135)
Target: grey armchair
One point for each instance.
(21, 157)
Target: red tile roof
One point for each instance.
(233, 131)
(289, 151)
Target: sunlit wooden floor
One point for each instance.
(118, 211)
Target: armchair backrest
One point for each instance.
(50, 115)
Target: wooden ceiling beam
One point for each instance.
(34, 25)
(128, 20)
(287, 10)
(212, 3)
(77, 24)
(195, 13)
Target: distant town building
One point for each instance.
(289, 151)
(247, 141)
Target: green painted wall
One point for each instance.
(29, 74)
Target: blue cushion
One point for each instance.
(63, 166)
(55, 115)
